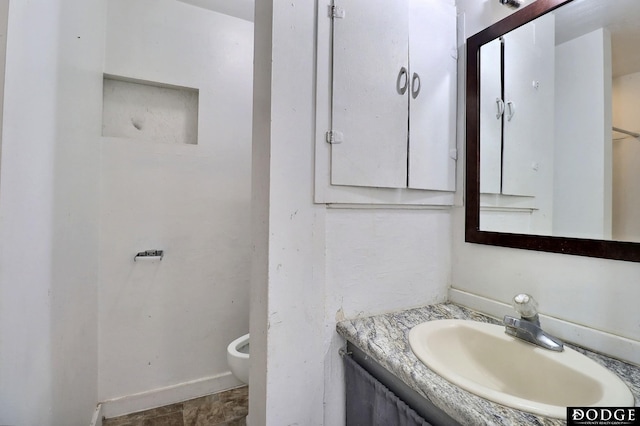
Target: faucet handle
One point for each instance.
(525, 305)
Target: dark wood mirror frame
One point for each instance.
(619, 250)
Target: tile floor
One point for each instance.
(228, 408)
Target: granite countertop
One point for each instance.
(385, 338)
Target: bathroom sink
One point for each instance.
(485, 361)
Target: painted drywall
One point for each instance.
(165, 325)
(384, 259)
(49, 211)
(260, 193)
(286, 378)
(314, 265)
(379, 260)
(597, 293)
(626, 158)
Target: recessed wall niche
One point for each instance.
(144, 110)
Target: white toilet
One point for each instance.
(238, 358)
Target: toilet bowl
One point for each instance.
(238, 358)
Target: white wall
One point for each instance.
(379, 260)
(313, 265)
(626, 158)
(597, 293)
(286, 375)
(49, 211)
(165, 325)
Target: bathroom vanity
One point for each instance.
(381, 343)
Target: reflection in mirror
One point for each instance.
(555, 175)
(559, 124)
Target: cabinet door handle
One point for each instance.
(500, 105)
(415, 85)
(402, 76)
(512, 110)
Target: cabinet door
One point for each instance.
(370, 48)
(529, 68)
(491, 112)
(432, 107)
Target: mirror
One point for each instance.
(553, 129)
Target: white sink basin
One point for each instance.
(485, 361)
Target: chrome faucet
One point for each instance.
(527, 327)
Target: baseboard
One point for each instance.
(169, 395)
(96, 420)
(599, 341)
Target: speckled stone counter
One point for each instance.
(385, 338)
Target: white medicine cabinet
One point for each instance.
(517, 110)
(388, 73)
(517, 107)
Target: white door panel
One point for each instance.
(432, 107)
(370, 47)
(491, 113)
(528, 119)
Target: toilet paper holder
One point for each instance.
(149, 254)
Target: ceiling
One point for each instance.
(242, 9)
(620, 17)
